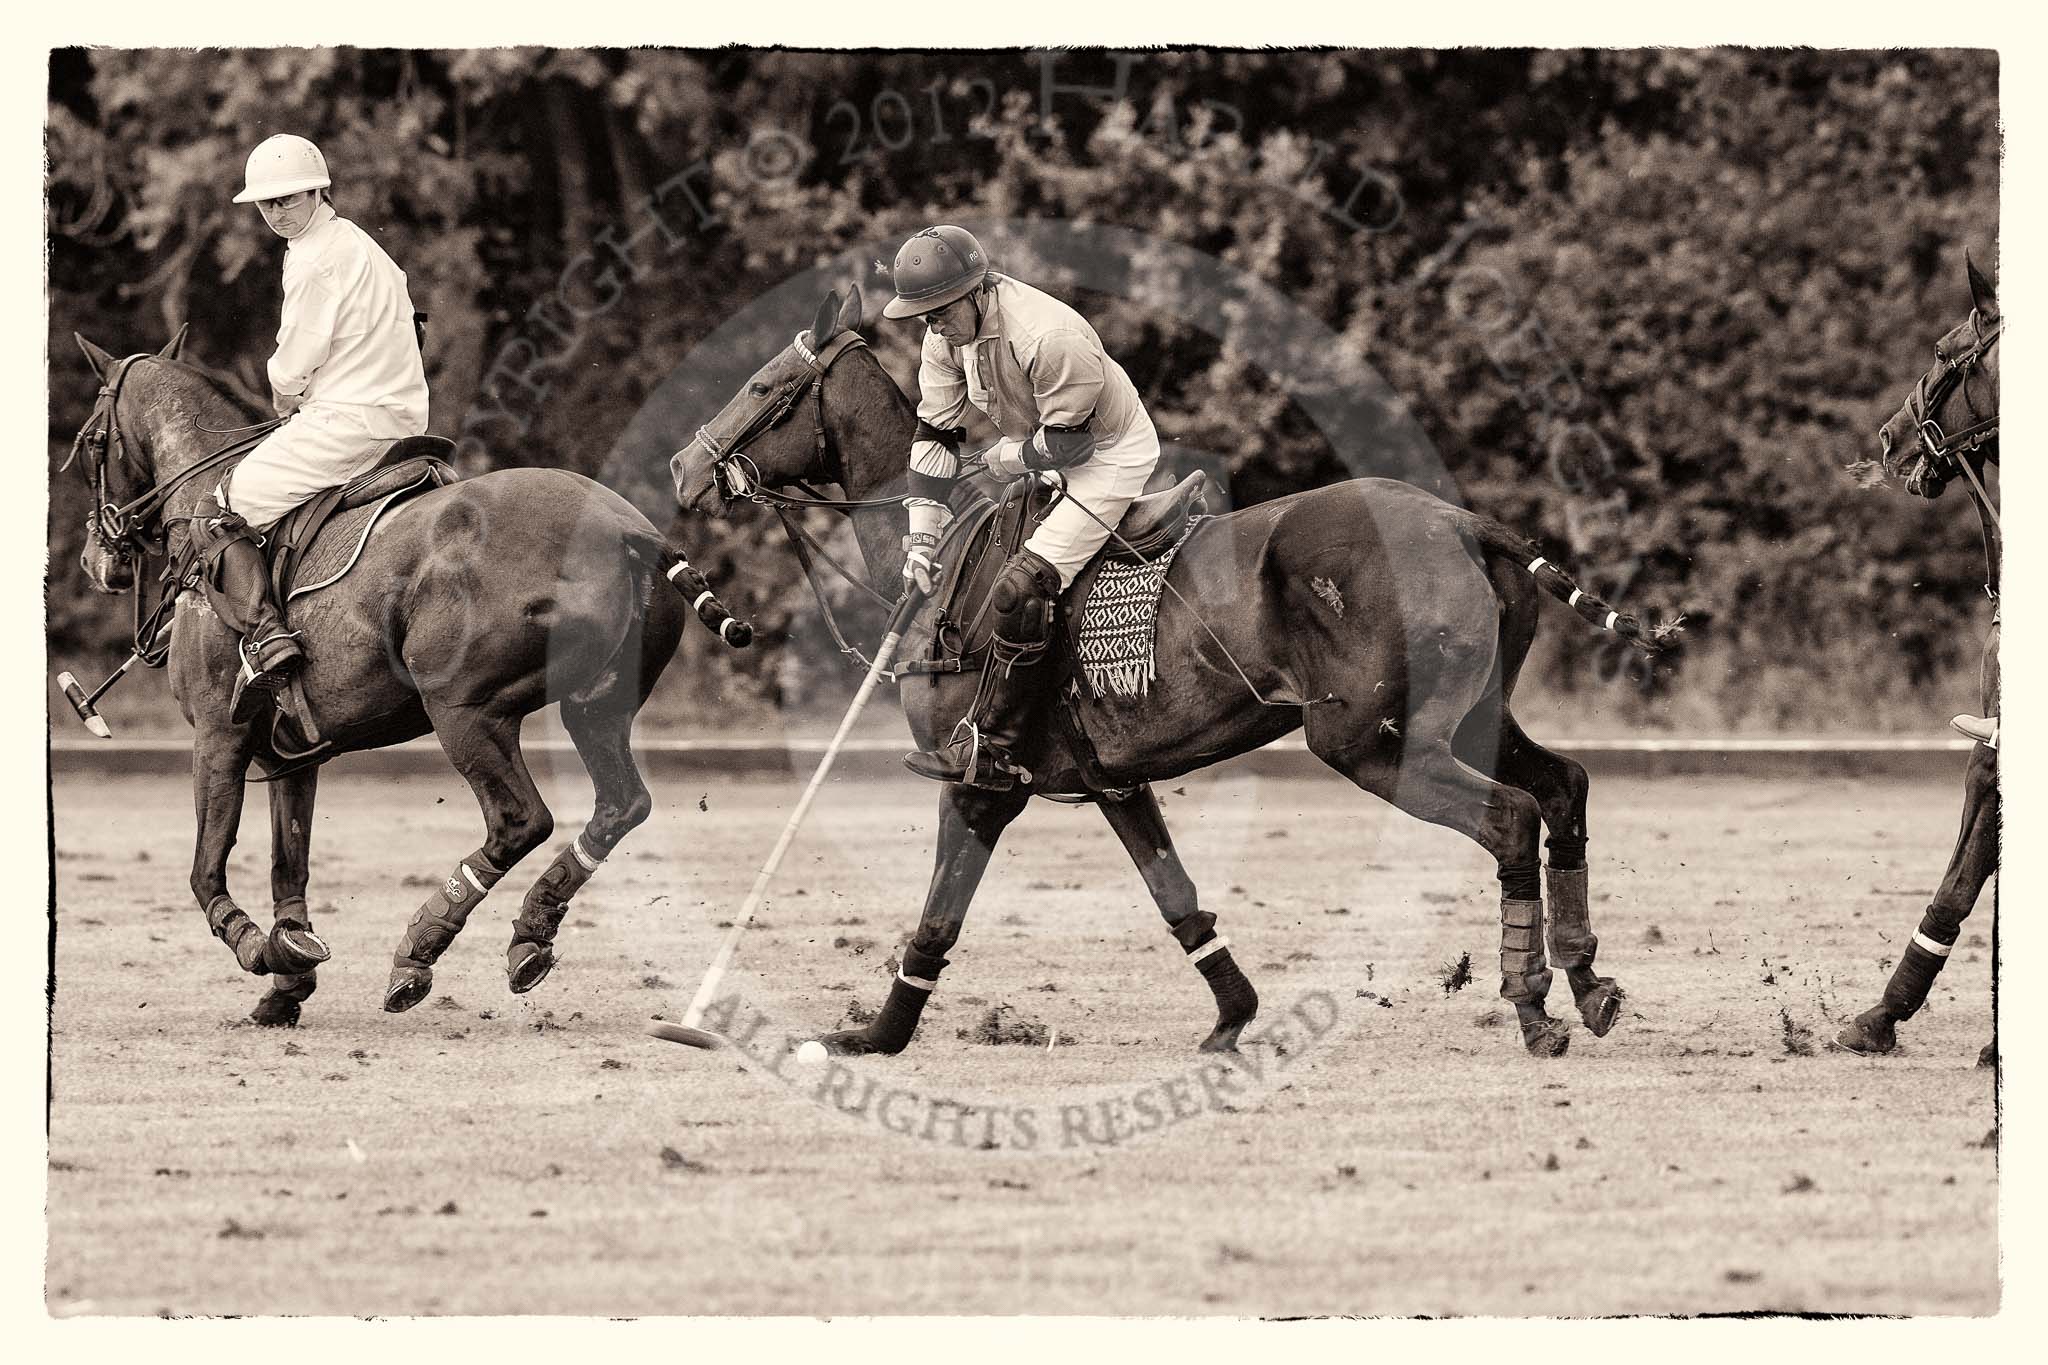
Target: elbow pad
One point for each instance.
(1053, 447)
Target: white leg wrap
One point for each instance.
(1214, 945)
(916, 981)
(590, 864)
(1928, 944)
(469, 875)
(1538, 562)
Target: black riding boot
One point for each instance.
(980, 751)
(242, 593)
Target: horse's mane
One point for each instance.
(224, 388)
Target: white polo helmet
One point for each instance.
(283, 165)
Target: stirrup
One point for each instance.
(1983, 729)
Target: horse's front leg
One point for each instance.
(220, 762)
(291, 837)
(1874, 1032)
(1141, 827)
(971, 819)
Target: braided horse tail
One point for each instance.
(1498, 539)
(685, 578)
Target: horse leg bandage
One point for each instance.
(908, 994)
(540, 918)
(1922, 961)
(1236, 1001)
(436, 923)
(1524, 979)
(1572, 941)
(239, 932)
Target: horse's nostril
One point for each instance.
(1884, 440)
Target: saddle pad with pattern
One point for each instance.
(1113, 645)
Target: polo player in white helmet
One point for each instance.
(1039, 372)
(346, 374)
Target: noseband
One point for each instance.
(735, 475)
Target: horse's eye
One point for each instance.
(758, 389)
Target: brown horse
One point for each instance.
(470, 608)
(1386, 623)
(1947, 429)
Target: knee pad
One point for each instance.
(1023, 597)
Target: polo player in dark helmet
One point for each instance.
(1039, 372)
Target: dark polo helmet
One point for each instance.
(935, 267)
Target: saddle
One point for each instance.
(409, 466)
(316, 544)
(1150, 527)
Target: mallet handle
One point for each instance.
(714, 976)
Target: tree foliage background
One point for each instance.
(1646, 305)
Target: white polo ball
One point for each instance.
(811, 1053)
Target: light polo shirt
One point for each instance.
(347, 336)
(1034, 362)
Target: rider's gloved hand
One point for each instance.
(285, 404)
(920, 569)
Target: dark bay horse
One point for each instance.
(1405, 693)
(1946, 430)
(472, 606)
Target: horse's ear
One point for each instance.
(101, 362)
(1983, 294)
(849, 312)
(175, 347)
(827, 320)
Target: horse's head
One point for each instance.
(114, 457)
(1953, 410)
(753, 442)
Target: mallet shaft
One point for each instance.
(714, 976)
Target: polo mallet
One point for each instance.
(688, 1032)
(83, 702)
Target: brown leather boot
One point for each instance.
(979, 753)
(269, 652)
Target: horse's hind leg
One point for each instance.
(291, 836)
(602, 734)
(1420, 774)
(484, 747)
(1491, 741)
(1142, 829)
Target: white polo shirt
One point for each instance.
(347, 337)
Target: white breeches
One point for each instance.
(1098, 494)
(319, 448)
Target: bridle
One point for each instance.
(135, 527)
(1953, 373)
(738, 478)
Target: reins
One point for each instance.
(126, 530)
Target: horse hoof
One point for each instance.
(853, 1042)
(1222, 1038)
(529, 969)
(294, 949)
(1547, 1037)
(276, 1011)
(1872, 1033)
(409, 986)
(1601, 1006)
(1989, 1056)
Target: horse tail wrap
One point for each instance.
(1559, 584)
(683, 575)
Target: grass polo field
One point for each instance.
(1051, 1143)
